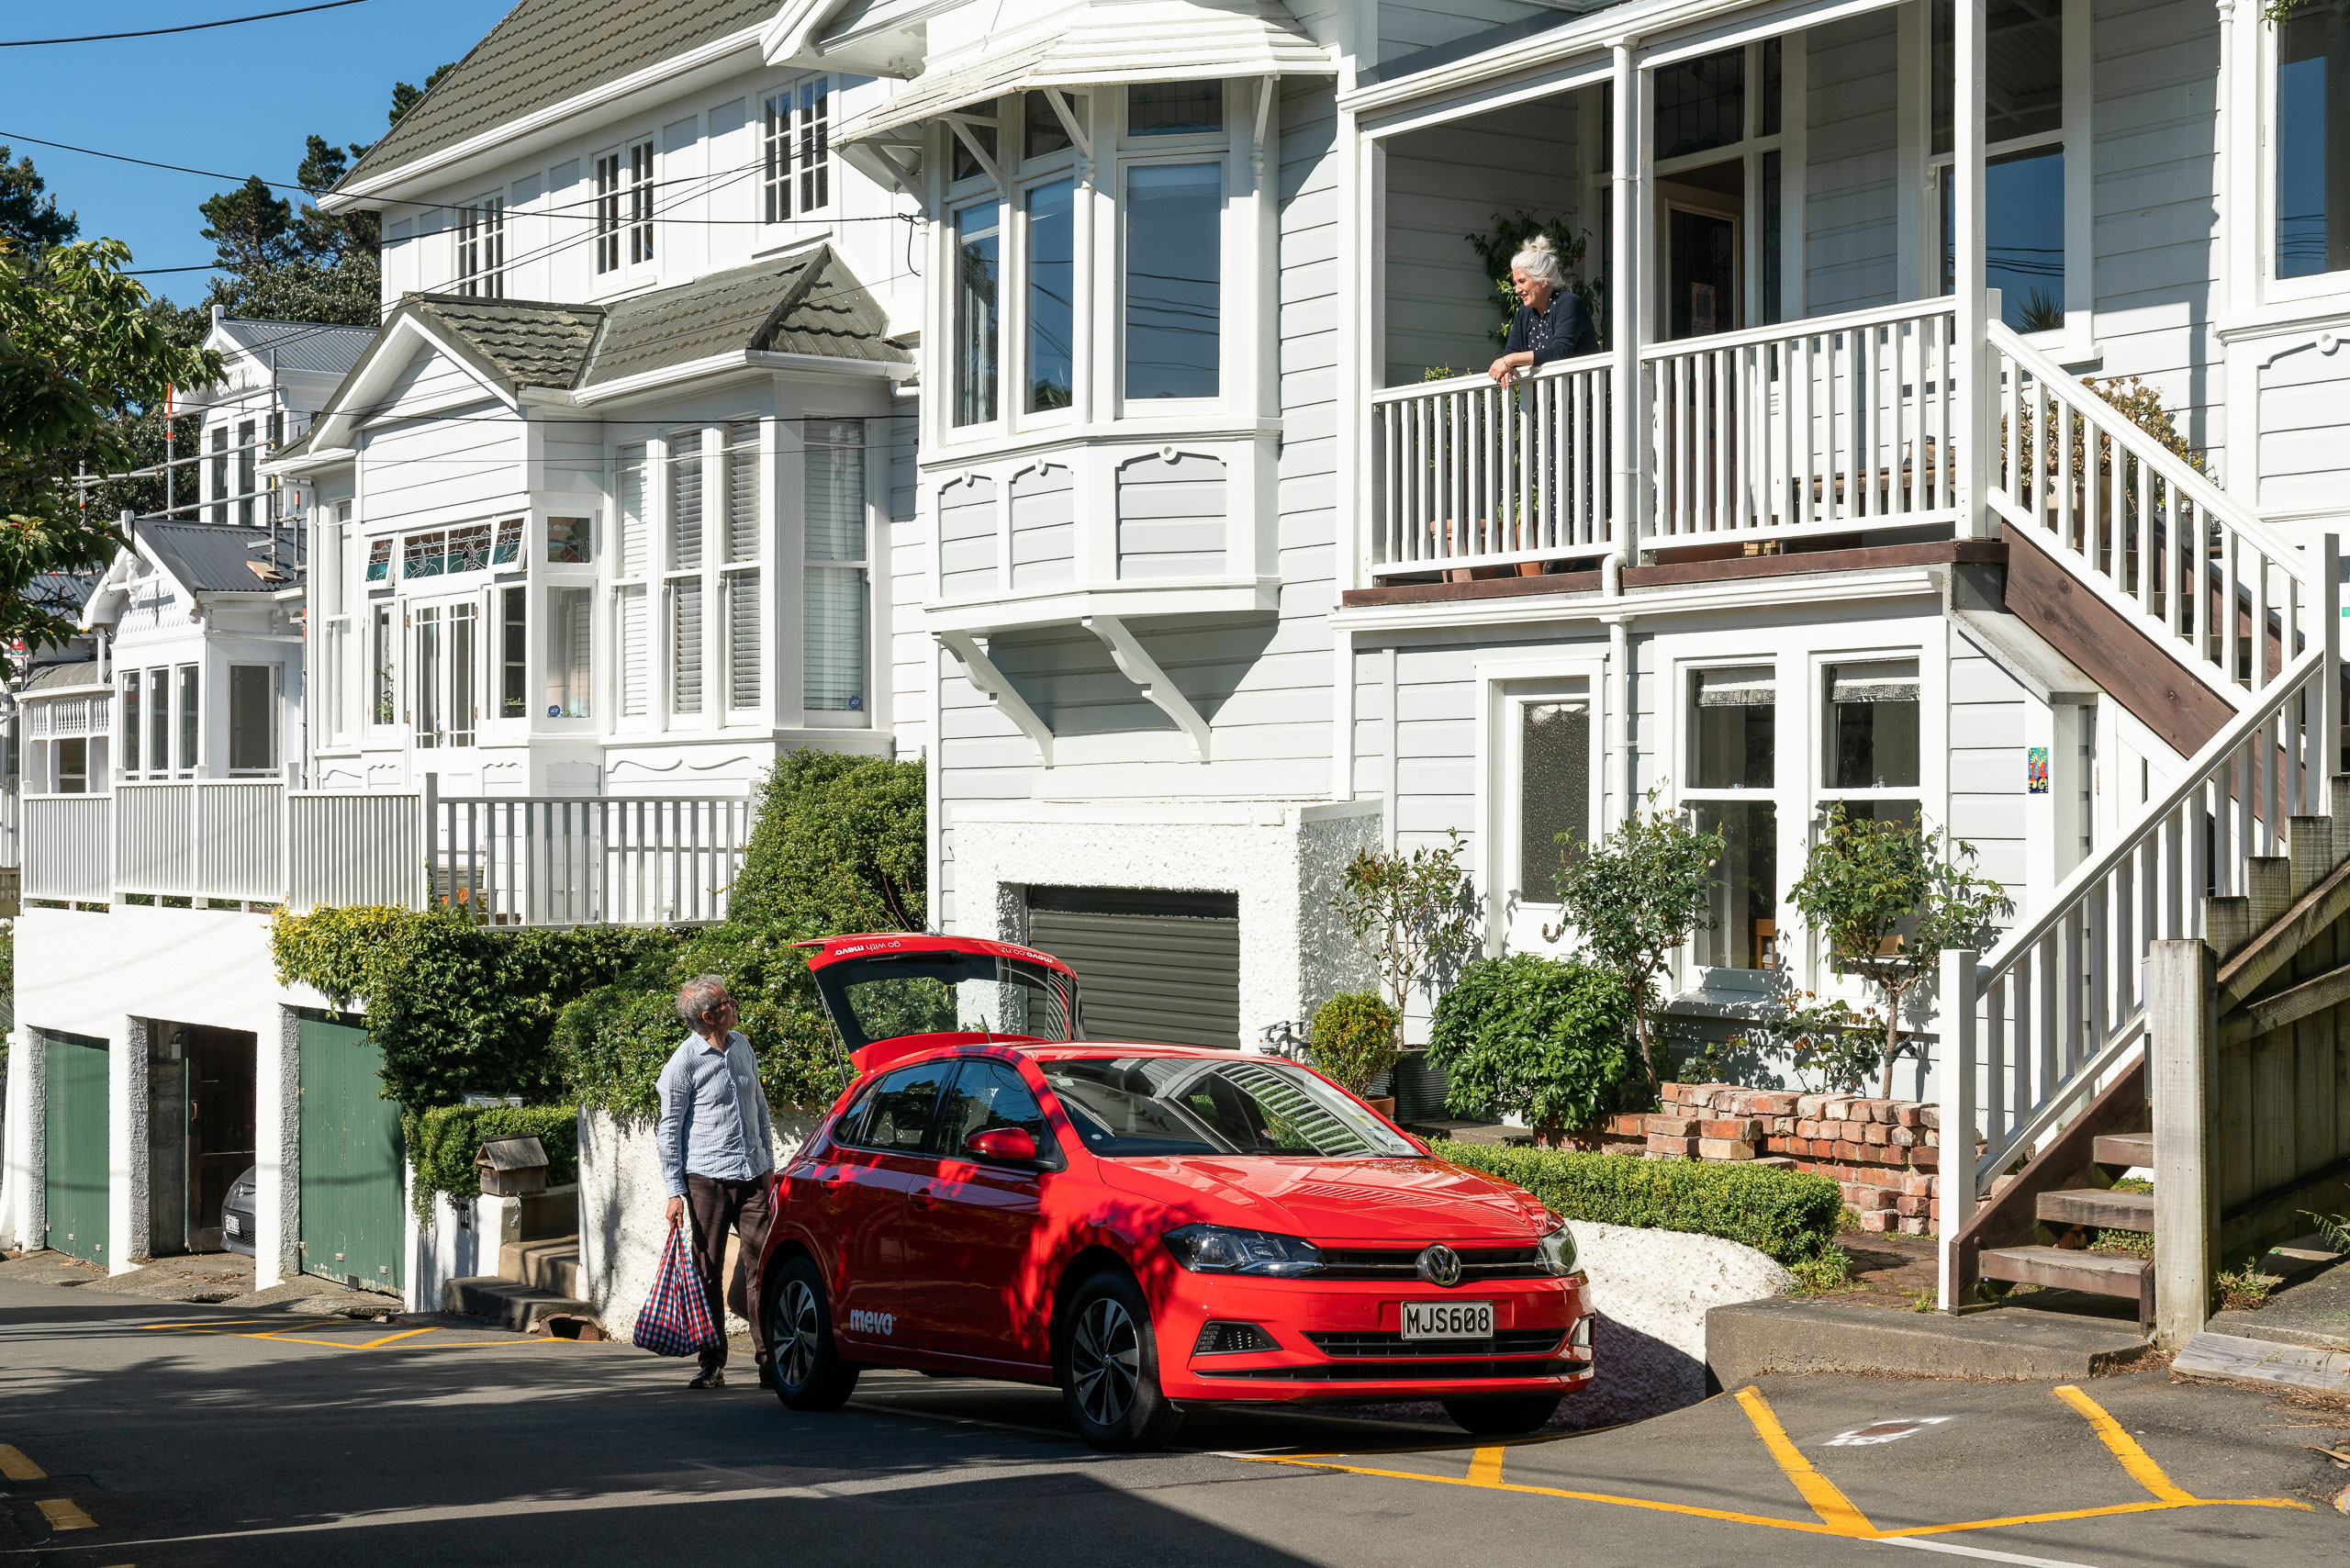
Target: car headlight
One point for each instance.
(1556, 1252)
(1220, 1249)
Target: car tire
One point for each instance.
(1503, 1417)
(1107, 1363)
(809, 1371)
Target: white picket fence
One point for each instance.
(524, 861)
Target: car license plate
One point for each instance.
(1448, 1320)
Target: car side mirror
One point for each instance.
(1010, 1146)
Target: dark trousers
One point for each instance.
(715, 1208)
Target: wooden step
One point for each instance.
(2126, 1149)
(2100, 1274)
(2105, 1209)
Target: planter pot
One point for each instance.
(1384, 1105)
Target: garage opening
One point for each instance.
(200, 1120)
(1152, 963)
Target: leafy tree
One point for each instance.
(1407, 913)
(1354, 1037)
(30, 220)
(1891, 898)
(1546, 1040)
(79, 350)
(1635, 897)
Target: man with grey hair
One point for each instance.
(717, 1146)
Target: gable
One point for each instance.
(431, 381)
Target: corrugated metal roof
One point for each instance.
(210, 557)
(807, 304)
(300, 346)
(530, 343)
(72, 672)
(1111, 40)
(543, 51)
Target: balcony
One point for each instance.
(505, 860)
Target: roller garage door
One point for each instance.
(1151, 965)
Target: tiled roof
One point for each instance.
(300, 346)
(807, 304)
(544, 52)
(531, 344)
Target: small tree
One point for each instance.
(1543, 1039)
(1407, 912)
(1891, 898)
(1354, 1037)
(1636, 896)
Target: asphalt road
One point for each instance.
(134, 1432)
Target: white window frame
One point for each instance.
(838, 718)
(1236, 355)
(1681, 766)
(624, 583)
(2325, 288)
(624, 180)
(1505, 685)
(480, 231)
(798, 178)
(733, 450)
(676, 580)
(228, 718)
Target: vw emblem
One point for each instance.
(1438, 1265)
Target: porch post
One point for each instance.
(1974, 390)
(1627, 192)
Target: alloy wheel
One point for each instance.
(791, 1342)
(1105, 1361)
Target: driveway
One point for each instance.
(155, 1433)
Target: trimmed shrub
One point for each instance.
(1786, 1216)
(1543, 1039)
(1354, 1037)
(444, 1140)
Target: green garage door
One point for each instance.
(1151, 964)
(76, 1150)
(352, 1212)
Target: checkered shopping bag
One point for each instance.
(676, 1317)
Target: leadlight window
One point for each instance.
(424, 556)
(508, 548)
(1041, 130)
(469, 548)
(965, 166)
(569, 541)
(379, 561)
(1701, 104)
(1174, 108)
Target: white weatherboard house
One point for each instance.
(1105, 438)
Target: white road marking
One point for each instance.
(1980, 1554)
(1888, 1431)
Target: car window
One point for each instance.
(1164, 1106)
(889, 995)
(993, 1095)
(899, 1110)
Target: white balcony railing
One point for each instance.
(530, 861)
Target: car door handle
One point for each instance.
(921, 1198)
(833, 1178)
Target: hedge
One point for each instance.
(444, 1141)
(1788, 1217)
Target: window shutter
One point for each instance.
(685, 503)
(631, 502)
(743, 492)
(685, 646)
(743, 639)
(633, 651)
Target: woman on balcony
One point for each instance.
(1551, 323)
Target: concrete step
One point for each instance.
(2099, 1206)
(1744, 1341)
(551, 1264)
(507, 1303)
(2100, 1274)
(2263, 1361)
(2126, 1149)
(551, 1214)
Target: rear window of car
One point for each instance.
(1138, 1106)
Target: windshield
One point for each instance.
(889, 995)
(1163, 1105)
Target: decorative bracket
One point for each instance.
(1067, 116)
(961, 125)
(1139, 667)
(992, 683)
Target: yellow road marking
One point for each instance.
(2135, 1459)
(2109, 1508)
(1826, 1500)
(1485, 1468)
(16, 1467)
(283, 1336)
(395, 1338)
(63, 1512)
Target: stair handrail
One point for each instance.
(2178, 910)
(2173, 469)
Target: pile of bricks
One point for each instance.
(1885, 1153)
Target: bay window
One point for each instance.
(739, 576)
(1174, 267)
(1733, 743)
(1174, 108)
(1052, 276)
(978, 234)
(571, 620)
(382, 683)
(683, 582)
(837, 571)
(2313, 140)
(514, 652)
(189, 731)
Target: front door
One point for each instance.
(219, 1127)
(1701, 270)
(973, 1282)
(444, 651)
(74, 1148)
(353, 1221)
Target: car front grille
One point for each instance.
(1508, 1342)
(1402, 1263)
(1402, 1371)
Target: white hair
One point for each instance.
(1539, 262)
(700, 999)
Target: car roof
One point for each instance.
(1068, 1050)
(835, 949)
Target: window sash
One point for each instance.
(640, 204)
(131, 685)
(742, 528)
(629, 485)
(685, 646)
(513, 687)
(634, 634)
(685, 502)
(836, 639)
(815, 143)
(1174, 280)
(571, 621)
(464, 703)
(385, 705)
(245, 471)
(743, 640)
(977, 325)
(253, 719)
(608, 212)
(189, 717)
(159, 721)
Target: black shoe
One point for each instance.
(766, 1374)
(709, 1377)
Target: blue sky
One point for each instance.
(239, 100)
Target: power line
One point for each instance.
(184, 27)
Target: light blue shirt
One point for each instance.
(715, 1117)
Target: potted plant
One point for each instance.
(1353, 1040)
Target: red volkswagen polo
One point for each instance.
(1146, 1227)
